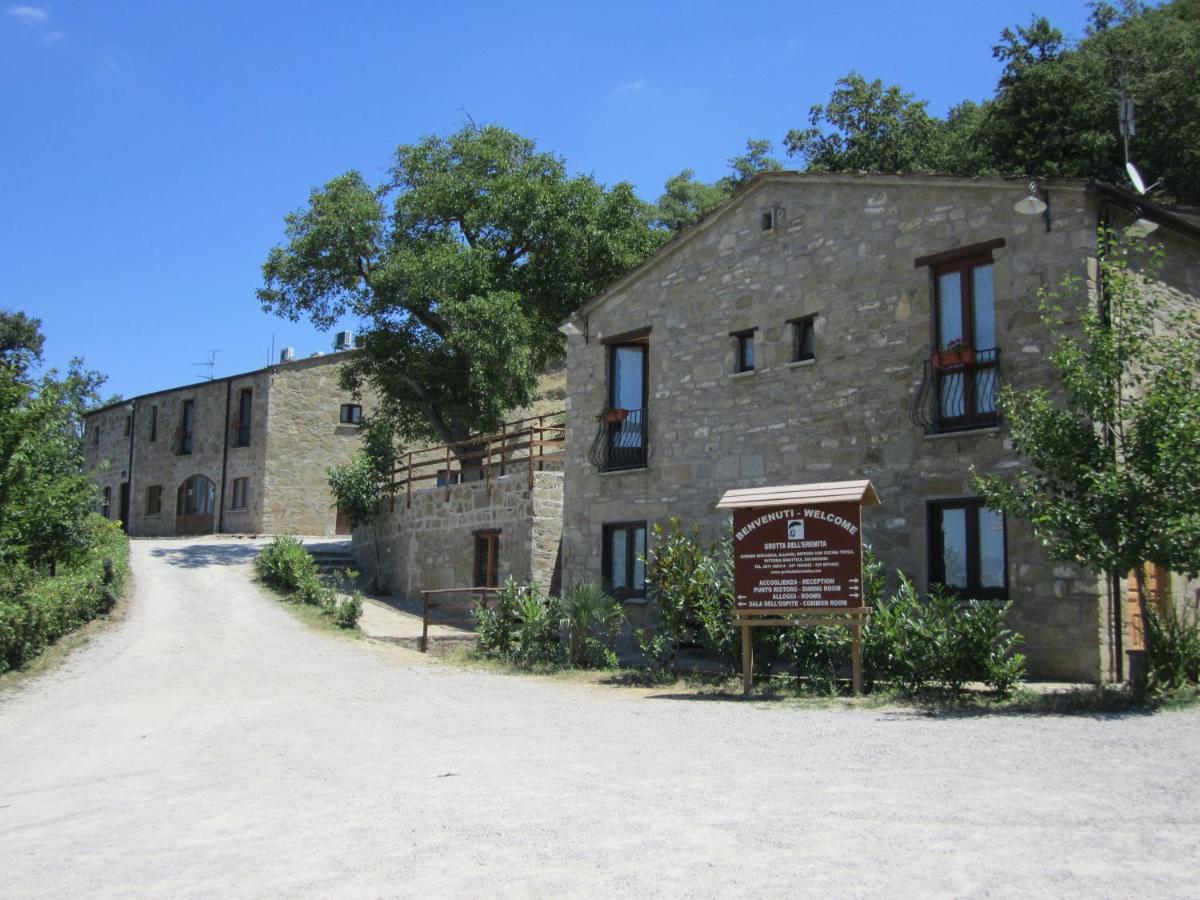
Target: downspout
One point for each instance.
(224, 459)
(129, 466)
(1115, 599)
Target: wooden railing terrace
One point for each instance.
(531, 445)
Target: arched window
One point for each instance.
(197, 497)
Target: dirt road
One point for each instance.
(210, 745)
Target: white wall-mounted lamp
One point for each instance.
(1031, 204)
(575, 325)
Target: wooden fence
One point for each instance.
(531, 445)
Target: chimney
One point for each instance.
(344, 341)
(287, 354)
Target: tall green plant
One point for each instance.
(591, 619)
(1112, 474)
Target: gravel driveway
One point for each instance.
(211, 745)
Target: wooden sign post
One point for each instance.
(797, 560)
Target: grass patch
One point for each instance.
(310, 615)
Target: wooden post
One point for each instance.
(747, 659)
(487, 462)
(856, 655)
(424, 620)
(408, 480)
(503, 445)
(447, 473)
(541, 450)
(529, 454)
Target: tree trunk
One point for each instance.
(1139, 660)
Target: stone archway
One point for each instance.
(195, 503)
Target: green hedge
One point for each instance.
(36, 611)
(285, 565)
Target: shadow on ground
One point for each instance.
(197, 556)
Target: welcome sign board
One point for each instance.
(798, 557)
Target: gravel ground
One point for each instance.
(211, 745)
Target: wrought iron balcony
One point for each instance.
(959, 391)
(622, 440)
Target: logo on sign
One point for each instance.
(795, 529)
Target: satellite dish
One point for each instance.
(1136, 177)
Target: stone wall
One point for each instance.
(430, 545)
(304, 439)
(844, 252)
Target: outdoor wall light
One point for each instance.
(571, 327)
(1031, 204)
(1140, 227)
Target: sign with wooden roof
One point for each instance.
(797, 560)
(860, 492)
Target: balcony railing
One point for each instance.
(959, 392)
(527, 445)
(181, 443)
(622, 440)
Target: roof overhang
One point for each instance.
(860, 492)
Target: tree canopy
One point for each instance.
(45, 495)
(685, 200)
(1054, 112)
(459, 266)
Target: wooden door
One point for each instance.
(342, 526)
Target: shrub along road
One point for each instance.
(211, 744)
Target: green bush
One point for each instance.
(522, 626)
(591, 621)
(37, 611)
(285, 564)
(348, 610)
(1173, 656)
(936, 644)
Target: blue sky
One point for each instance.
(150, 150)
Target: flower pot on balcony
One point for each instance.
(614, 415)
(945, 359)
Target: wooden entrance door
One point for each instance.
(125, 506)
(342, 526)
(195, 502)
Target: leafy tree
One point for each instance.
(45, 495)
(1113, 479)
(459, 266)
(1054, 112)
(685, 200)
(875, 128)
(361, 485)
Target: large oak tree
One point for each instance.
(458, 267)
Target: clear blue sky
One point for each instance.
(149, 150)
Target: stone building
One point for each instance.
(479, 514)
(832, 327)
(247, 453)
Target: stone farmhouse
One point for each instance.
(243, 454)
(833, 327)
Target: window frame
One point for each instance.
(187, 426)
(744, 340)
(153, 424)
(154, 500)
(240, 486)
(245, 414)
(106, 503)
(606, 557)
(486, 570)
(799, 325)
(936, 564)
(350, 414)
(96, 435)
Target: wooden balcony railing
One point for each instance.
(530, 445)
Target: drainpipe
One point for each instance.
(1116, 598)
(224, 459)
(129, 467)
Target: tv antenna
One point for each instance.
(210, 364)
(1128, 127)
